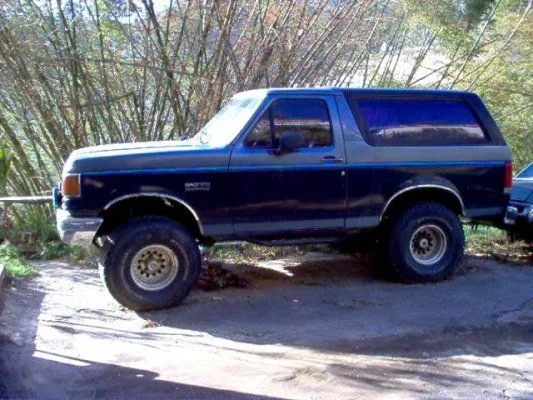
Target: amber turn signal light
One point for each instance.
(71, 186)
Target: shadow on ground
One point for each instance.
(316, 303)
(57, 376)
(74, 378)
(304, 324)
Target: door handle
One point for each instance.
(332, 160)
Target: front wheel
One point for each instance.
(153, 263)
(426, 243)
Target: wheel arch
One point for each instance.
(123, 208)
(443, 194)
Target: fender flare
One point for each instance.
(423, 186)
(160, 196)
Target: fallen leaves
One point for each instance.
(215, 277)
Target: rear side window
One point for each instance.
(419, 122)
(309, 117)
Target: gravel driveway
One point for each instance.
(316, 327)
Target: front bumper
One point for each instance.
(77, 231)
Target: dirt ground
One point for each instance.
(318, 327)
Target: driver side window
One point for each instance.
(308, 117)
(261, 135)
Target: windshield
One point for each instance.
(228, 122)
(526, 172)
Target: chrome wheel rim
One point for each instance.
(154, 267)
(428, 244)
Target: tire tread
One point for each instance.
(396, 259)
(114, 257)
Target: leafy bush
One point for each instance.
(51, 250)
(12, 259)
(56, 249)
(35, 234)
(37, 219)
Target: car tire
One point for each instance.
(152, 263)
(426, 243)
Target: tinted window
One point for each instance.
(411, 122)
(309, 117)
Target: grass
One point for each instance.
(34, 233)
(14, 263)
(17, 266)
(31, 234)
(483, 241)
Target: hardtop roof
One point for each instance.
(360, 91)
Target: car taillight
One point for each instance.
(508, 175)
(70, 187)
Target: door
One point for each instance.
(293, 193)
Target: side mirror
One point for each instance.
(289, 141)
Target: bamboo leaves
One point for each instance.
(5, 164)
(86, 72)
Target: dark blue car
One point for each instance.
(519, 217)
(289, 166)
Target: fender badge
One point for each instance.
(197, 186)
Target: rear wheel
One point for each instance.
(153, 263)
(426, 243)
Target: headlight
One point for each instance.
(71, 186)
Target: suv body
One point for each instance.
(283, 166)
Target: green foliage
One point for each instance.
(13, 261)
(35, 219)
(454, 21)
(51, 250)
(473, 11)
(57, 249)
(79, 253)
(5, 164)
(3, 231)
(484, 241)
(502, 76)
(487, 48)
(34, 231)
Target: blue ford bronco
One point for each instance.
(291, 166)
